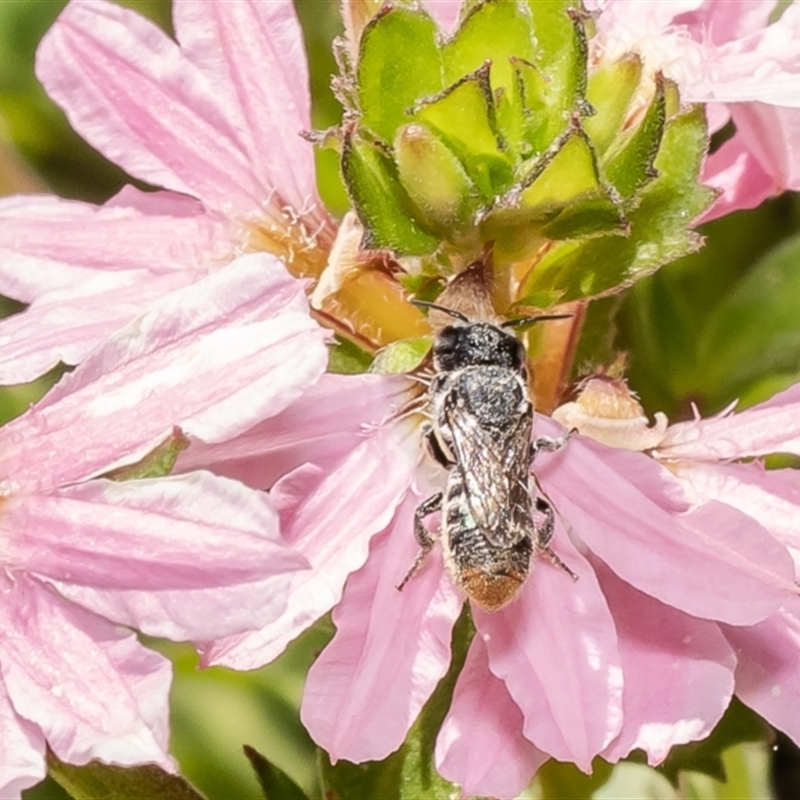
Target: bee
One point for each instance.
(481, 433)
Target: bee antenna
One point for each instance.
(513, 323)
(435, 306)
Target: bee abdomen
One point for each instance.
(490, 575)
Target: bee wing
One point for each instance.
(494, 467)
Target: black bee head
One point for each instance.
(477, 344)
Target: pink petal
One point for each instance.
(770, 427)
(329, 420)
(88, 270)
(556, 650)
(771, 496)
(129, 91)
(94, 691)
(332, 528)
(723, 20)
(445, 12)
(252, 53)
(214, 357)
(194, 557)
(67, 323)
(772, 134)
(687, 659)
(480, 745)
(767, 678)
(761, 67)
(713, 562)
(391, 648)
(22, 750)
(50, 243)
(735, 171)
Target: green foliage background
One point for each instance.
(718, 325)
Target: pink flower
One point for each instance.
(215, 121)
(724, 53)
(567, 669)
(193, 557)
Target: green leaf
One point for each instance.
(409, 773)
(399, 62)
(47, 789)
(559, 780)
(659, 224)
(402, 356)
(275, 783)
(347, 358)
(754, 332)
(382, 204)
(157, 463)
(738, 724)
(98, 781)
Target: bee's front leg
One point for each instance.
(421, 534)
(544, 533)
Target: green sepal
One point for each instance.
(628, 165)
(659, 230)
(399, 62)
(274, 782)
(402, 356)
(380, 200)
(609, 91)
(110, 782)
(434, 179)
(491, 30)
(157, 463)
(561, 57)
(465, 117)
(409, 773)
(529, 99)
(562, 198)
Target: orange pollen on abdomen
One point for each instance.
(491, 592)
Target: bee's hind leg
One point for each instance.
(421, 534)
(544, 533)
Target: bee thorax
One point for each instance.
(492, 394)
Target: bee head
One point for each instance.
(473, 344)
(477, 344)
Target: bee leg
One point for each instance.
(547, 444)
(424, 539)
(544, 533)
(434, 447)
